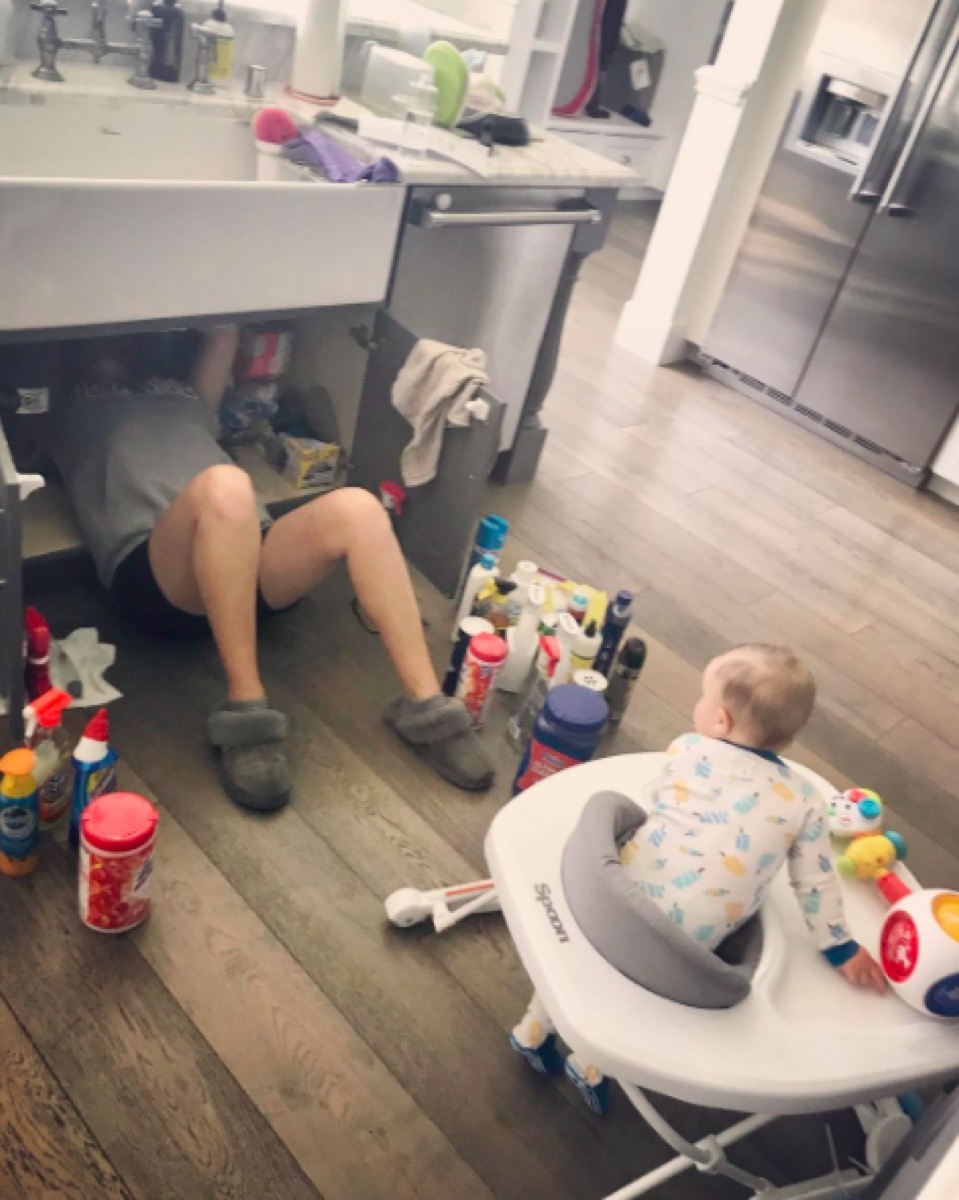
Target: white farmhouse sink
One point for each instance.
(113, 211)
(108, 139)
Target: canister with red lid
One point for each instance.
(117, 839)
(484, 660)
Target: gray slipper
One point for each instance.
(440, 730)
(253, 768)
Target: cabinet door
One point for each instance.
(14, 488)
(438, 519)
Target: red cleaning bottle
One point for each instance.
(50, 742)
(36, 676)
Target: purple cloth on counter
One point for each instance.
(320, 152)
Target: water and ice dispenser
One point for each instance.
(843, 118)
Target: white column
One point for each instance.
(742, 101)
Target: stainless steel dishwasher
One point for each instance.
(483, 267)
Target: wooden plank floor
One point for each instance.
(266, 1034)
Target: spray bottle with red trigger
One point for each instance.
(50, 743)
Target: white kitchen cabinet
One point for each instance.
(946, 464)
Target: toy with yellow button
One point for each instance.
(919, 941)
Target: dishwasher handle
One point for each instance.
(432, 218)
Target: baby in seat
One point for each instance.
(724, 816)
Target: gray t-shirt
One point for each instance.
(125, 455)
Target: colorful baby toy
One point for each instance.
(919, 940)
(854, 812)
(872, 856)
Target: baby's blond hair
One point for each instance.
(769, 691)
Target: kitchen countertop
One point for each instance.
(548, 161)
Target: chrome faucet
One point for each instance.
(50, 43)
(206, 44)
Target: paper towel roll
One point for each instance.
(318, 60)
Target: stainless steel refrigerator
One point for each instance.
(842, 310)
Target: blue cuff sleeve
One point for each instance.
(838, 956)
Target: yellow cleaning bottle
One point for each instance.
(19, 813)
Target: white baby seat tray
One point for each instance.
(800, 1041)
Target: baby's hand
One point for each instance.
(863, 971)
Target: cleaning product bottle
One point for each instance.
(578, 604)
(469, 628)
(624, 676)
(567, 631)
(484, 568)
(614, 627)
(591, 680)
(520, 724)
(167, 60)
(36, 676)
(95, 764)
(485, 656)
(19, 813)
(522, 641)
(50, 742)
(586, 647)
(490, 539)
(496, 609)
(567, 732)
(221, 57)
(525, 576)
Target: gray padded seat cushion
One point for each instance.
(627, 928)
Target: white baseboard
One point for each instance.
(945, 489)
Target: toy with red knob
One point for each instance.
(919, 940)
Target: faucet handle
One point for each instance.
(143, 21)
(210, 36)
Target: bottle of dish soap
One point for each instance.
(50, 742)
(19, 813)
(167, 60)
(221, 57)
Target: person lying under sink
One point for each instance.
(182, 545)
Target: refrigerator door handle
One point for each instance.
(892, 204)
(868, 186)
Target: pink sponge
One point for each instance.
(274, 125)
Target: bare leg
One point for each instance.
(351, 524)
(205, 555)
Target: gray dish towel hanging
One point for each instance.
(432, 390)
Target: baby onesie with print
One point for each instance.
(723, 819)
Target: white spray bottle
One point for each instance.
(567, 631)
(481, 571)
(522, 641)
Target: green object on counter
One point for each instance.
(451, 79)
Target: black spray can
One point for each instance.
(623, 677)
